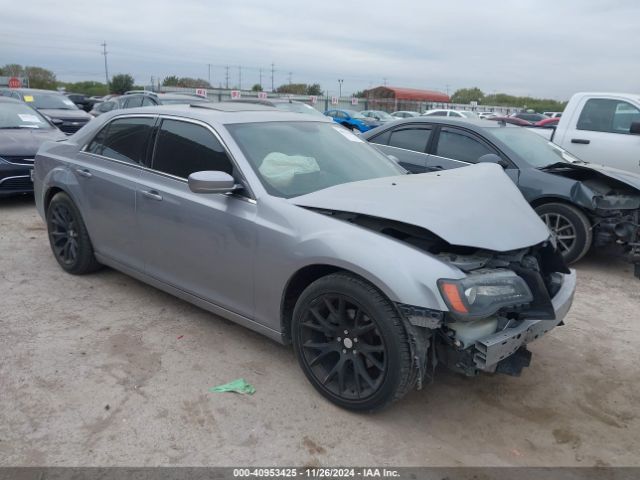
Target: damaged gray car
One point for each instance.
(583, 204)
(296, 228)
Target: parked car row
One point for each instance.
(375, 255)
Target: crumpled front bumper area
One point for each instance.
(493, 349)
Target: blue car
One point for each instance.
(353, 120)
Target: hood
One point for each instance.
(628, 178)
(26, 141)
(476, 206)
(65, 114)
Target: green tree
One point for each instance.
(360, 94)
(256, 88)
(41, 78)
(12, 70)
(293, 88)
(170, 81)
(87, 87)
(188, 82)
(121, 83)
(314, 89)
(468, 95)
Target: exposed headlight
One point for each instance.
(484, 293)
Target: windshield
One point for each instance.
(298, 108)
(46, 100)
(534, 149)
(382, 115)
(18, 115)
(296, 158)
(354, 114)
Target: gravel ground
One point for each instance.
(104, 370)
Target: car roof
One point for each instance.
(34, 90)
(10, 100)
(224, 113)
(472, 124)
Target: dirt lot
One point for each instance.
(104, 370)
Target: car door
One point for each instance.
(107, 171)
(408, 143)
(601, 134)
(203, 244)
(456, 147)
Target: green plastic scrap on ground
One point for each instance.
(239, 386)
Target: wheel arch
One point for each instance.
(538, 202)
(298, 282)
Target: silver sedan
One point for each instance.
(294, 227)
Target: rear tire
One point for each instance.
(68, 236)
(351, 343)
(571, 227)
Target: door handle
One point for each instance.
(582, 141)
(83, 172)
(152, 194)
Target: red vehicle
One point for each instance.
(512, 120)
(548, 122)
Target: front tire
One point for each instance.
(68, 236)
(571, 227)
(351, 343)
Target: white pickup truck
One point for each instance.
(601, 128)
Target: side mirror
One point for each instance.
(493, 158)
(635, 128)
(211, 182)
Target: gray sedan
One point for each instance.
(294, 227)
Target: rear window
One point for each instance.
(124, 139)
(607, 115)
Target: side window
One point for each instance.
(125, 139)
(382, 138)
(460, 146)
(415, 139)
(454, 114)
(438, 113)
(183, 148)
(340, 115)
(106, 106)
(134, 102)
(607, 115)
(147, 102)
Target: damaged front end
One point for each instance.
(611, 200)
(506, 301)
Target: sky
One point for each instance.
(542, 48)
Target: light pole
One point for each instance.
(340, 80)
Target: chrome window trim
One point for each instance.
(451, 159)
(251, 199)
(2, 180)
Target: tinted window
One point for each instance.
(459, 146)
(439, 113)
(133, 102)
(106, 106)
(606, 115)
(184, 148)
(382, 138)
(146, 101)
(415, 139)
(125, 139)
(454, 114)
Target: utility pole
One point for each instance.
(209, 78)
(290, 73)
(384, 81)
(260, 77)
(226, 77)
(239, 77)
(340, 80)
(447, 86)
(272, 70)
(106, 69)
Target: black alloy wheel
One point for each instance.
(68, 236)
(351, 343)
